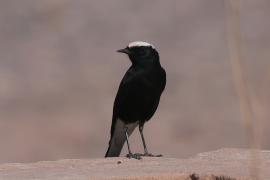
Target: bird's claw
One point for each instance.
(152, 155)
(134, 156)
(149, 155)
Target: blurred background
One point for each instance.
(59, 74)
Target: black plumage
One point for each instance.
(138, 96)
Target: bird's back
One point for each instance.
(139, 93)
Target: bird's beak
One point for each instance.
(126, 51)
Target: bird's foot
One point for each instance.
(134, 156)
(153, 155)
(148, 155)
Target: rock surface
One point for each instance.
(224, 164)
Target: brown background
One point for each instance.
(59, 73)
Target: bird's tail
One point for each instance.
(118, 137)
(114, 149)
(117, 140)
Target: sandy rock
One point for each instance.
(224, 164)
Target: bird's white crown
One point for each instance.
(139, 44)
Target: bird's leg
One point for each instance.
(130, 155)
(144, 144)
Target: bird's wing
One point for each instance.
(118, 136)
(124, 90)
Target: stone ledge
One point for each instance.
(223, 164)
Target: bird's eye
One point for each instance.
(141, 51)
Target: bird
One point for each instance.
(137, 98)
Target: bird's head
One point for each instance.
(141, 53)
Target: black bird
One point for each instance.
(137, 98)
